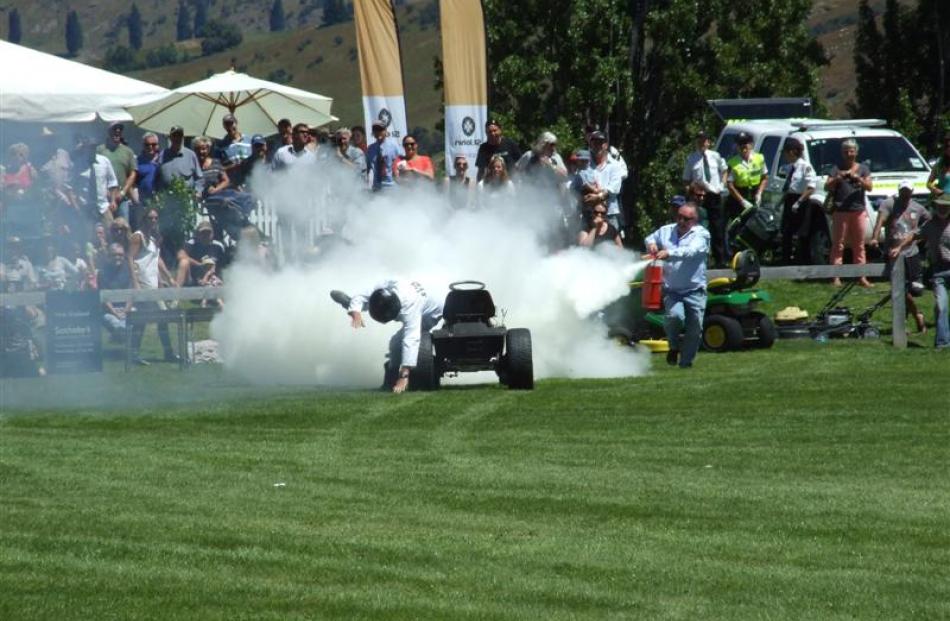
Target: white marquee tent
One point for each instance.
(42, 88)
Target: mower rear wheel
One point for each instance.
(519, 371)
(425, 375)
(721, 333)
(766, 332)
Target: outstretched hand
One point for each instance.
(356, 320)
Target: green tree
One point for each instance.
(183, 25)
(334, 12)
(277, 21)
(902, 68)
(201, 17)
(135, 28)
(73, 33)
(643, 71)
(14, 27)
(120, 59)
(219, 36)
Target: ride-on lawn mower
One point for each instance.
(732, 320)
(469, 340)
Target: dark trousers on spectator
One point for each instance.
(139, 330)
(732, 209)
(715, 212)
(795, 231)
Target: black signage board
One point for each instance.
(73, 332)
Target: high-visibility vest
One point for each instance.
(747, 174)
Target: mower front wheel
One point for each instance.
(721, 333)
(766, 332)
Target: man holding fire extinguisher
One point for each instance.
(683, 247)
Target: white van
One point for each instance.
(889, 155)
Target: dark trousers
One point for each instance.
(139, 330)
(731, 210)
(718, 223)
(794, 232)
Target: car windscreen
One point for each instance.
(879, 153)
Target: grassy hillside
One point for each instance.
(323, 59)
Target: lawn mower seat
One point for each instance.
(462, 304)
(746, 266)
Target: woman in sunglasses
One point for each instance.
(459, 185)
(597, 230)
(412, 167)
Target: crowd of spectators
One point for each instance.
(89, 217)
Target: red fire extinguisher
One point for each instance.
(651, 294)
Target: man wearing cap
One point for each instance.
(936, 236)
(241, 175)
(296, 152)
(707, 169)
(901, 218)
(234, 147)
(198, 252)
(601, 182)
(123, 163)
(496, 144)
(800, 183)
(381, 156)
(613, 153)
(179, 162)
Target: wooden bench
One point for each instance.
(184, 319)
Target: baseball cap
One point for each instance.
(176, 129)
(597, 135)
(116, 125)
(702, 135)
(258, 139)
(582, 154)
(228, 118)
(205, 225)
(678, 201)
(378, 126)
(491, 122)
(906, 184)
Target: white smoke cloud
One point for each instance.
(282, 327)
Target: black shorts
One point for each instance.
(913, 270)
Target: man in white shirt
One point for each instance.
(800, 182)
(706, 169)
(296, 152)
(100, 179)
(403, 301)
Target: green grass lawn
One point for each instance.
(805, 482)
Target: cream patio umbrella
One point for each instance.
(257, 104)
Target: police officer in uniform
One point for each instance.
(800, 182)
(403, 301)
(747, 178)
(705, 170)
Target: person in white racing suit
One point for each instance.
(403, 301)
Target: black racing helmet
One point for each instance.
(384, 305)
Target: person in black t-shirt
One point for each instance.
(496, 144)
(597, 229)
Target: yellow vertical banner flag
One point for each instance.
(465, 79)
(377, 43)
